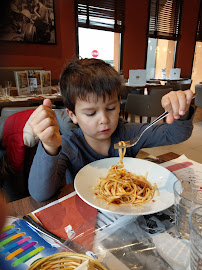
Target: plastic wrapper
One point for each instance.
(136, 242)
(116, 241)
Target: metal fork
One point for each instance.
(134, 141)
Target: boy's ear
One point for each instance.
(72, 116)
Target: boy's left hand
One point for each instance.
(176, 103)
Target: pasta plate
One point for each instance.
(87, 178)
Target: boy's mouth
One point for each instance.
(105, 131)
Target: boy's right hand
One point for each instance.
(45, 126)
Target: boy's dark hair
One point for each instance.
(89, 75)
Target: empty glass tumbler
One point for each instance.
(8, 85)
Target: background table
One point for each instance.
(31, 101)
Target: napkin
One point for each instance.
(69, 210)
(87, 265)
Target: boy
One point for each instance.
(91, 93)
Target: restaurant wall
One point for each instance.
(54, 57)
(135, 37)
(50, 57)
(186, 44)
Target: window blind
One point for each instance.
(164, 19)
(199, 27)
(101, 14)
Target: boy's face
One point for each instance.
(98, 119)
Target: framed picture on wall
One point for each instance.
(30, 21)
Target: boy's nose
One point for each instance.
(104, 118)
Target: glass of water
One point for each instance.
(187, 197)
(195, 224)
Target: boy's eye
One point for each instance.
(90, 114)
(111, 109)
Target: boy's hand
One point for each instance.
(176, 103)
(45, 126)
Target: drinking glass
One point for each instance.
(8, 85)
(2, 92)
(58, 90)
(195, 224)
(187, 198)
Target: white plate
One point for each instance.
(88, 176)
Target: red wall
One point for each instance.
(50, 57)
(186, 44)
(135, 37)
(53, 57)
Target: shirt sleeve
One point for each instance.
(158, 135)
(46, 174)
(167, 134)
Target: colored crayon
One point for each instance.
(27, 256)
(18, 243)
(20, 250)
(8, 240)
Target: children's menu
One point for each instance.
(21, 244)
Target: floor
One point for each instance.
(192, 148)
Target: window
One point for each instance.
(97, 22)
(196, 75)
(163, 33)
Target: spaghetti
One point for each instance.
(122, 187)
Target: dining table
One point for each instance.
(168, 80)
(133, 242)
(28, 204)
(31, 100)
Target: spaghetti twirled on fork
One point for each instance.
(122, 187)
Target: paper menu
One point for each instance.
(22, 82)
(55, 217)
(189, 172)
(20, 245)
(185, 169)
(45, 77)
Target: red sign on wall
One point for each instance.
(95, 53)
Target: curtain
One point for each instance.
(164, 19)
(199, 27)
(101, 14)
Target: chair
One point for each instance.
(144, 105)
(124, 93)
(180, 85)
(18, 146)
(154, 81)
(137, 77)
(183, 86)
(163, 90)
(198, 97)
(173, 85)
